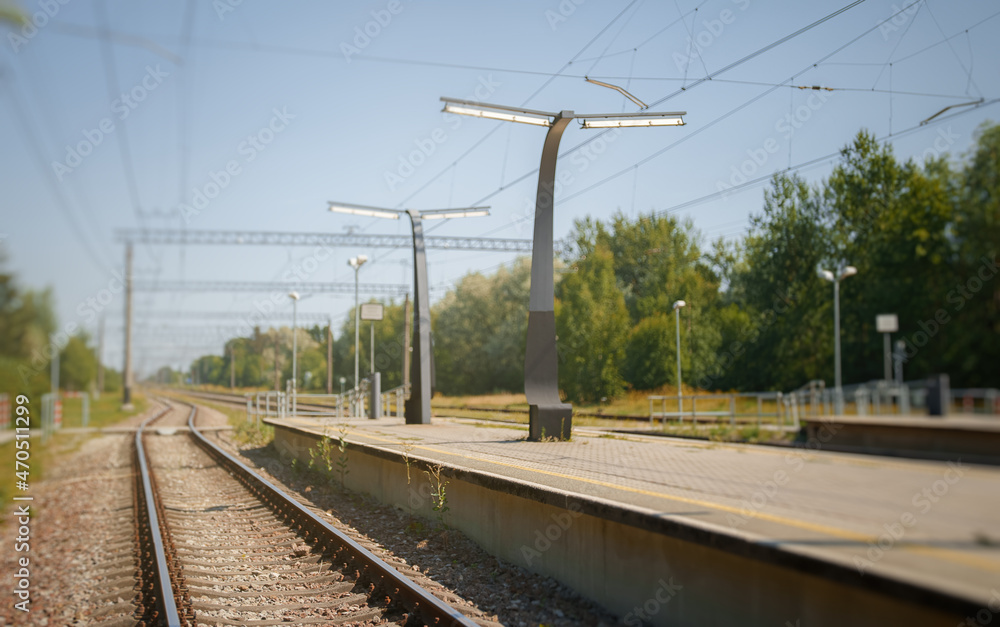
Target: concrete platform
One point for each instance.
(702, 533)
(973, 438)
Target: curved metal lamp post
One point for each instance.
(548, 415)
(418, 406)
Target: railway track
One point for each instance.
(221, 545)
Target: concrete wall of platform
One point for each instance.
(644, 568)
(973, 440)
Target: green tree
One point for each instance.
(77, 364)
(592, 322)
(479, 332)
(776, 341)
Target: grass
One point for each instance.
(105, 411)
(245, 432)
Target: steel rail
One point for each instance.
(432, 610)
(165, 593)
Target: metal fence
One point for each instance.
(875, 398)
(350, 404)
(758, 407)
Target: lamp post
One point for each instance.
(842, 273)
(547, 413)
(418, 406)
(677, 315)
(356, 263)
(295, 344)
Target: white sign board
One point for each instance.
(371, 311)
(886, 323)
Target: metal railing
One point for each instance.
(350, 404)
(733, 405)
(271, 404)
(976, 400)
(395, 396)
(875, 398)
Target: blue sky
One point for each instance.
(307, 102)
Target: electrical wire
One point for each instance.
(813, 162)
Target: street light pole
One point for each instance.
(842, 273)
(295, 344)
(127, 367)
(677, 315)
(547, 414)
(356, 263)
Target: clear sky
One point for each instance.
(118, 114)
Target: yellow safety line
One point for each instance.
(945, 554)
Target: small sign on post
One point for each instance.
(372, 311)
(887, 324)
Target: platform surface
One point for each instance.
(934, 524)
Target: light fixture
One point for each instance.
(442, 214)
(848, 271)
(478, 112)
(363, 210)
(679, 303)
(825, 274)
(293, 295)
(671, 119)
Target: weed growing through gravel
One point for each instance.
(342, 460)
(407, 449)
(323, 451)
(439, 498)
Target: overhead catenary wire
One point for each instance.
(731, 112)
(764, 178)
